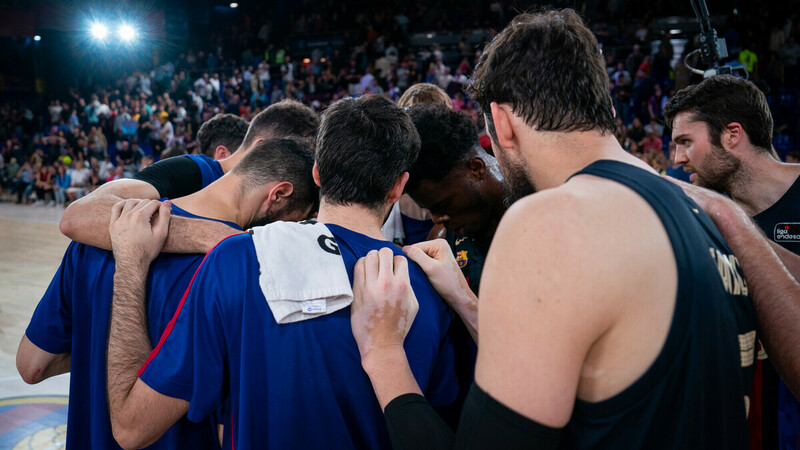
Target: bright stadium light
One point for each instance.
(99, 31)
(37, 38)
(126, 32)
(234, 5)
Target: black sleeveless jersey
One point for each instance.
(695, 394)
(774, 421)
(781, 221)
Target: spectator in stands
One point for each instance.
(79, 181)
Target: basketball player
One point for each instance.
(220, 136)
(86, 220)
(459, 183)
(408, 223)
(612, 313)
(295, 385)
(723, 131)
(71, 323)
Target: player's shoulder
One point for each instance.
(232, 243)
(571, 205)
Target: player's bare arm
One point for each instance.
(86, 220)
(139, 415)
(437, 261)
(771, 273)
(36, 365)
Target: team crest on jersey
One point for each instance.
(461, 258)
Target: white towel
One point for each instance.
(392, 229)
(302, 271)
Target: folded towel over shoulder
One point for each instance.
(302, 271)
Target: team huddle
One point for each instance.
(294, 294)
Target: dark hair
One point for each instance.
(223, 129)
(549, 68)
(281, 160)
(720, 100)
(424, 93)
(448, 138)
(287, 118)
(363, 146)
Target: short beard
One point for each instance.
(516, 185)
(267, 218)
(719, 170)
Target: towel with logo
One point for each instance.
(302, 273)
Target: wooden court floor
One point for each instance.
(31, 247)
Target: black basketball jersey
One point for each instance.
(781, 221)
(470, 255)
(774, 421)
(695, 394)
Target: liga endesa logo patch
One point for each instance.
(787, 232)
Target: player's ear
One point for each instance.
(221, 152)
(477, 167)
(501, 116)
(315, 174)
(397, 190)
(278, 196)
(732, 135)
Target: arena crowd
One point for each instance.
(496, 254)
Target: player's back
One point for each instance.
(694, 395)
(295, 385)
(75, 315)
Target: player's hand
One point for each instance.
(437, 261)
(725, 213)
(384, 305)
(138, 229)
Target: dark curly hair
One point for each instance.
(227, 130)
(723, 99)
(448, 138)
(549, 68)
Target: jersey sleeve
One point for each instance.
(50, 328)
(190, 359)
(173, 177)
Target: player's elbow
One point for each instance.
(128, 436)
(68, 225)
(129, 433)
(30, 373)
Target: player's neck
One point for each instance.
(554, 157)
(228, 163)
(353, 217)
(761, 181)
(214, 202)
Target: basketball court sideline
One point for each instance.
(31, 247)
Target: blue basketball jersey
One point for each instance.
(74, 317)
(297, 385)
(209, 168)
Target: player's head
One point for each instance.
(287, 118)
(220, 136)
(544, 72)
(276, 181)
(715, 123)
(451, 176)
(364, 148)
(424, 93)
